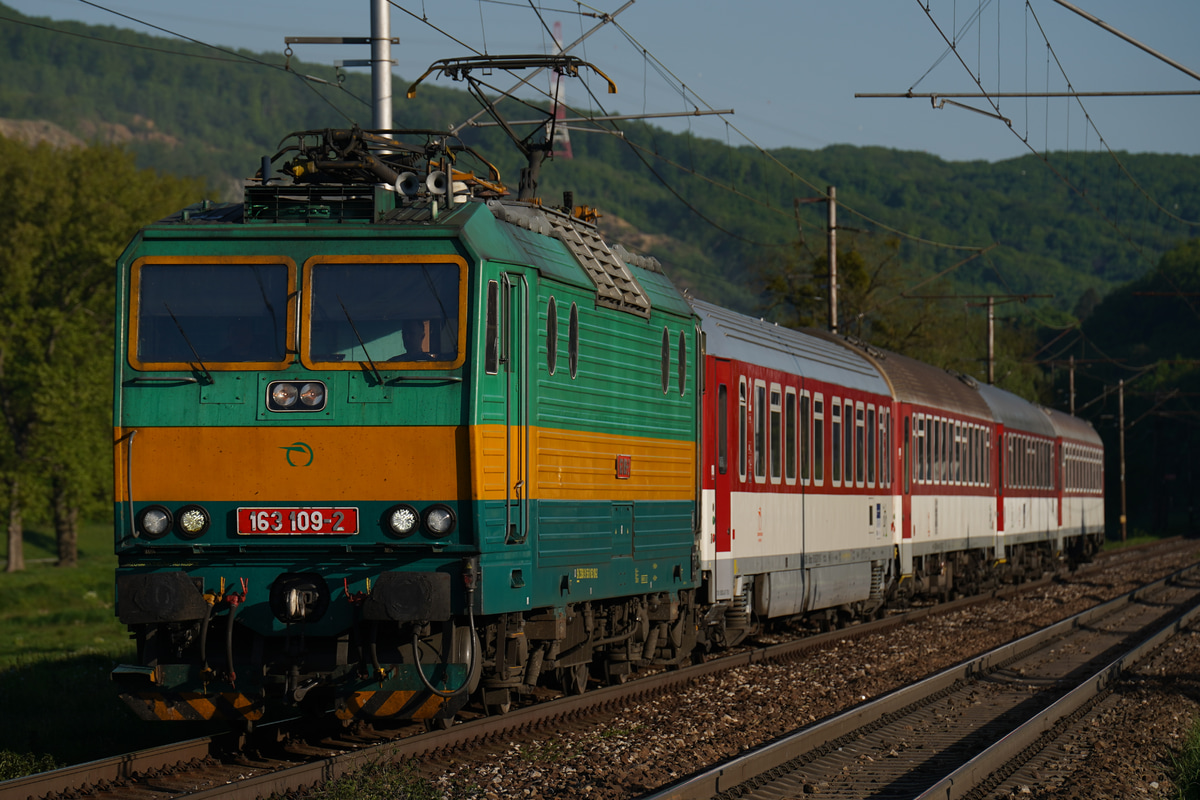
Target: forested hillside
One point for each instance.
(722, 219)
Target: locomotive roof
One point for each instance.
(1016, 413)
(755, 341)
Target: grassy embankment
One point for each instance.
(59, 639)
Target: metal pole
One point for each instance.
(381, 65)
(1121, 423)
(833, 315)
(991, 339)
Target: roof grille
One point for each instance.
(615, 285)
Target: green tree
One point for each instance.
(67, 215)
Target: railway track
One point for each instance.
(287, 758)
(961, 732)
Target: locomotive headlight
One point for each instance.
(439, 520)
(193, 521)
(312, 394)
(285, 394)
(154, 521)
(402, 520)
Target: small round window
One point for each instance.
(552, 336)
(666, 360)
(682, 363)
(573, 341)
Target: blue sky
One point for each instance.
(788, 68)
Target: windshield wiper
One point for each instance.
(203, 369)
(361, 343)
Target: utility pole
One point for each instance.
(1072, 385)
(833, 317)
(991, 355)
(1121, 428)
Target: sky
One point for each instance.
(788, 69)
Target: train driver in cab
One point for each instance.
(416, 335)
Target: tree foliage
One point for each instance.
(67, 215)
(1147, 335)
(707, 210)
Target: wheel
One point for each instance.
(574, 680)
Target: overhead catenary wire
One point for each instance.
(1045, 160)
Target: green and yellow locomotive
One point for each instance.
(386, 441)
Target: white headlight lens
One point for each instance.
(155, 522)
(312, 394)
(284, 394)
(403, 520)
(193, 521)
(439, 520)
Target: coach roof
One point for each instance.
(805, 353)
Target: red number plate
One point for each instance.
(296, 521)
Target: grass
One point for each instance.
(59, 640)
(1187, 767)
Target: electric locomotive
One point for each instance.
(385, 440)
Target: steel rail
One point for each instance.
(69, 780)
(125, 768)
(728, 775)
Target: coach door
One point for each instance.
(514, 359)
(721, 466)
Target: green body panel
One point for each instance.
(568, 550)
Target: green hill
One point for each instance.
(718, 217)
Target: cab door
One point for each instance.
(514, 362)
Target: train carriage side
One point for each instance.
(1079, 461)
(338, 436)
(796, 507)
(948, 539)
(1027, 500)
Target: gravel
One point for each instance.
(1124, 751)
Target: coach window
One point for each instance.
(848, 444)
(818, 439)
(885, 450)
(958, 453)
(947, 452)
(776, 433)
(722, 428)
(859, 437)
(789, 435)
(805, 438)
(551, 335)
(836, 423)
(743, 423)
(917, 443)
(760, 432)
(872, 433)
(573, 341)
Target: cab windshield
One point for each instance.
(384, 312)
(214, 313)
